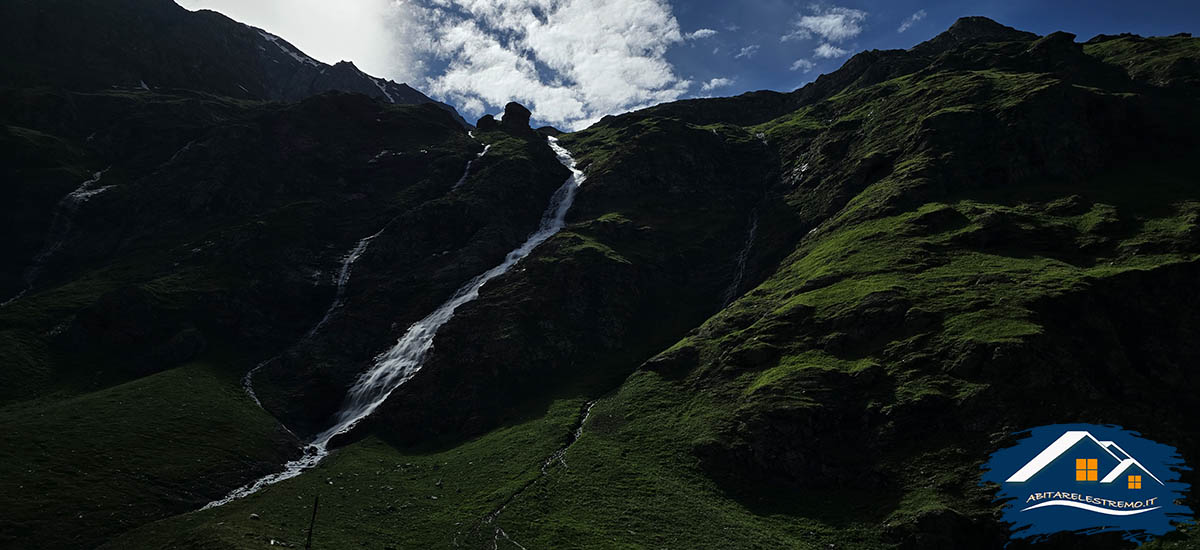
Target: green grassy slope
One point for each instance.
(990, 232)
(79, 470)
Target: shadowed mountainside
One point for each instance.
(779, 320)
(91, 45)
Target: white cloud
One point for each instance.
(832, 24)
(747, 52)
(570, 61)
(912, 20)
(803, 65)
(363, 31)
(829, 51)
(715, 83)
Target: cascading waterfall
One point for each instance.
(343, 275)
(60, 228)
(339, 299)
(471, 162)
(398, 364)
(739, 271)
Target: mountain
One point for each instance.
(777, 320)
(98, 44)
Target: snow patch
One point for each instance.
(295, 54)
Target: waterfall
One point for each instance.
(60, 228)
(398, 364)
(467, 172)
(339, 299)
(739, 271)
(343, 277)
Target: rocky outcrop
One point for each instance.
(516, 118)
(487, 123)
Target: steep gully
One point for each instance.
(343, 277)
(339, 298)
(60, 228)
(739, 271)
(467, 172)
(559, 456)
(398, 364)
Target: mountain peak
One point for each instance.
(983, 29)
(972, 30)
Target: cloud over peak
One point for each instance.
(912, 20)
(829, 51)
(803, 65)
(830, 23)
(715, 83)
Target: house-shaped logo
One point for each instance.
(1088, 478)
(1090, 454)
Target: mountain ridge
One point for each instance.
(157, 43)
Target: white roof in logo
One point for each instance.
(1068, 440)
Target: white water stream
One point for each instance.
(739, 270)
(397, 365)
(339, 299)
(342, 279)
(60, 228)
(467, 172)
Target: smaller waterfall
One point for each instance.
(339, 299)
(467, 172)
(60, 228)
(343, 277)
(739, 271)
(560, 456)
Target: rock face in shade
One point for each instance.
(156, 44)
(516, 116)
(487, 122)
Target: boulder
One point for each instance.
(516, 116)
(486, 122)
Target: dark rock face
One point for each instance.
(486, 123)
(162, 45)
(127, 326)
(516, 116)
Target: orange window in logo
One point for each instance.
(1086, 469)
(1135, 482)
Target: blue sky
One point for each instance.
(764, 22)
(573, 61)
